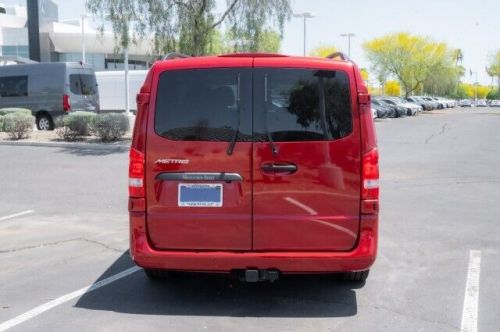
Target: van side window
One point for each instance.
(83, 84)
(14, 86)
(202, 105)
(301, 104)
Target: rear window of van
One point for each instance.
(204, 104)
(83, 84)
(301, 104)
(278, 103)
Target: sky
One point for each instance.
(473, 26)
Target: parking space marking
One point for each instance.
(16, 215)
(471, 299)
(65, 298)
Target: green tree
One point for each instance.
(409, 58)
(267, 41)
(188, 26)
(494, 68)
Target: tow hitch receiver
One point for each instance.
(258, 275)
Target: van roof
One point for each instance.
(241, 59)
(24, 66)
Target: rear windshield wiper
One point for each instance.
(230, 148)
(266, 122)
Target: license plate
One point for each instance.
(200, 195)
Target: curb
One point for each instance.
(82, 146)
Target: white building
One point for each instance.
(62, 40)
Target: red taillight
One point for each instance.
(66, 103)
(370, 175)
(136, 174)
(370, 183)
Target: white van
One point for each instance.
(112, 89)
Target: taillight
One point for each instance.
(370, 183)
(370, 175)
(136, 174)
(66, 103)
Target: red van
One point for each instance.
(261, 164)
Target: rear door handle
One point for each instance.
(279, 168)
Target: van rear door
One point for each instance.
(306, 159)
(83, 92)
(199, 192)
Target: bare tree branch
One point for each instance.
(223, 17)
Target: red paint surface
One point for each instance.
(308, 221)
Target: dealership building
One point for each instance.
(34, 32)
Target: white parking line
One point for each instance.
(65, 298)
(469, 313)
(16, 215)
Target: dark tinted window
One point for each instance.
(301, 105)
(202, 105)
(83, 84)
(14, 86)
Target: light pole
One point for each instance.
(127, 88)
(349, 35)
(475, 85)
(305, 16)
(84, 16)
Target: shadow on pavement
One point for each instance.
(216, 295)
(91, 151)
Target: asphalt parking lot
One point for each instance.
(64, 226)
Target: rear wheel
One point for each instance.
(44, 122)
(359, 276)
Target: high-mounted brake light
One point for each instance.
(136, 174)
(66, 103)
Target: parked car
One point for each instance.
(411, 109)
(383, 111)
(495, 103)
(399, 111)
(449, 102)
(255, 164)
(465, 103)
(481, 103)
(440, 105)
(426, 104)
(49, 90)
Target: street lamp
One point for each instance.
(84, 16)
(349, 35)
(475, 84)
(305, 16)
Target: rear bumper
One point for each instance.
(360, 258)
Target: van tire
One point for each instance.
(156, 274)
(359, 276)
(44, 122)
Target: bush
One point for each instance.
(65, 132)
(18, 124)
(81, 122)
(111, 126)
(5, 111)
(75, 125)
